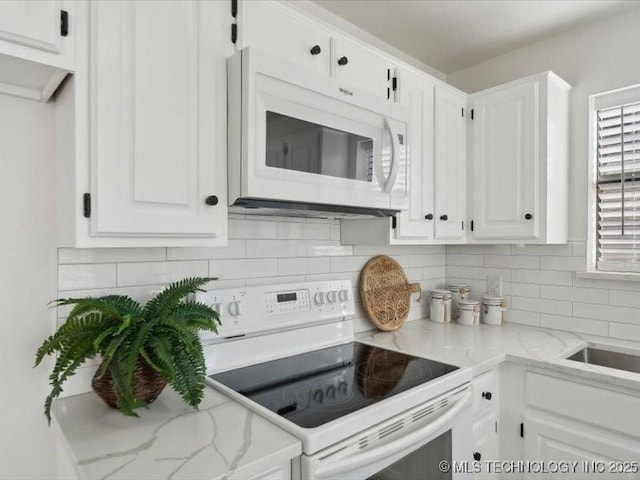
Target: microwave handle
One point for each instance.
(345, 465)
(395, 161)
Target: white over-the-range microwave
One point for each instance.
(304, 144)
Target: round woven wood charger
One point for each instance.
(385, 292)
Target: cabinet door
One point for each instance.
(279, 31)
(34, 24)
(364, 69)
(548, 438)
(158, 117)
(505, 163)
(486, 443)
(450, 163)
(416, 92)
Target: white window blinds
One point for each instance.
(618, 188)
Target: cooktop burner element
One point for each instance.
(314, 388)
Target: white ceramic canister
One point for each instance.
(493, 310)
(469, 312)
(459, 291)
(440, 306)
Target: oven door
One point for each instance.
(306, 140)
(430, 441)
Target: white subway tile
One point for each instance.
(574, 324)
(465, 260)
(140, 294)
(556, 307)
(564, 250)
(607, 312)
(371, 250)
(480, 249)
(572, 264)
(575, 294)
(522, 317)
(151, 273)
(579, 249)
(624, 331)
(542, 277)
(251, 282)
(235, 249)
(427, 260)
(348, 264)
(86, 276)
(525, 303)
(304, 265)
(252, 228)
(414, 274)
(243, 268)
(624, 298)
(521, 289)
(335, 232)
(511, 261)
(110, 255)
(417, 249)
(434, 272)
(328, 277)
(225, 284)
(297, 230)
(275, 248)
(327, 248)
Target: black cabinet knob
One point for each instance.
(211, 200)
(316, 50)
(343, 61)
(487, 395)
(429, 216)
(444, 218)
(477, 456)
(528, 216)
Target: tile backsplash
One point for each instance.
(541, 287)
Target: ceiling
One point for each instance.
(450, 35)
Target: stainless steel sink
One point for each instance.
(607, 358)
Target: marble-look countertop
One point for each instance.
(221, 440)
(485, 346)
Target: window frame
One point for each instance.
(599, 101)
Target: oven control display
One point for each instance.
(287, 297)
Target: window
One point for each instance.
(614, 243)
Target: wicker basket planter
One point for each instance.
(148, 384)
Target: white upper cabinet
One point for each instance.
(450, 163)
(35, 46)
(156, 104)
(518, 166)
(363, 68)
(275, 29)
(416, 92)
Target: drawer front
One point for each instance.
(486, 392)
(583, 402)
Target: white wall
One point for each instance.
(28, 447)
(593, 59)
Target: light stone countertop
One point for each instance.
(225, 440)
(170, 440)
(485, 346)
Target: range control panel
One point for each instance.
(261, 309)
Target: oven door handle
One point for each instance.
(348, 464)
(395, 160)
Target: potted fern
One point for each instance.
(141, 348)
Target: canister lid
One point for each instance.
(487, 300)
(455, 287)
(436, 293)
(467, 304)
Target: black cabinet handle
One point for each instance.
(528, 216)
(477, 456)
(211, 200)
(316, 50)
(343, 61)
(429, 216)
(444, 218)
(487, 395)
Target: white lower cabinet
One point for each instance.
(486, 421)
(142, 126)
(281, 472)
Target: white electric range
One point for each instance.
(288, 353)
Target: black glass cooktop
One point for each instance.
(317, 387)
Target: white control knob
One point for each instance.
(318, 298)
(235, 308)
(344, 295)
(216, 307)
(332, 296)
